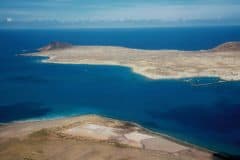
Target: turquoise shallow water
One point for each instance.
(208, 115)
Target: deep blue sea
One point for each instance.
(205, 115)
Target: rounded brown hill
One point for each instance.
(229, 46)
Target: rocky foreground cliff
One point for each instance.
(91, 137)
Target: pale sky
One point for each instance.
(122, 13)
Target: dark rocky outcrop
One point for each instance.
(55, 46)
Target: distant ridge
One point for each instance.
(54, 46)
(229, 46)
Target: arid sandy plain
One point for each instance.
(222, 61)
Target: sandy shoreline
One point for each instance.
(102, 131)
(154, 64)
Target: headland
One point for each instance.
(91, 137)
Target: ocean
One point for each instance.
(204, 115)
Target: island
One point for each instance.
(92, 137)
(222, 61)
